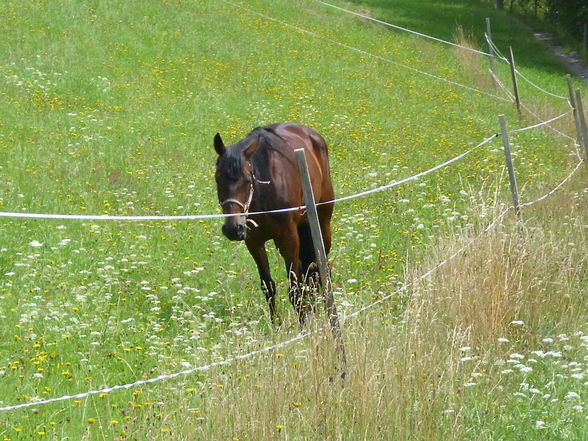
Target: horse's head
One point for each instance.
(234, 184)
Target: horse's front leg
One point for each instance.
(288, 243)
(268, 286)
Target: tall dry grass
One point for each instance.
(409, 376)
(472, 66)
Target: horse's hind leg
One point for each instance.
(268, 286)
(288, 243)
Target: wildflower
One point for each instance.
(35, 244)
(91, 420)
(517, 323)
(503, 340)
(572, 396)
(539, 424)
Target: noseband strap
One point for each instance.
(245, 206)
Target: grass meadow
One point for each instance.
(110, 107)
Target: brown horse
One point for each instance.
(259, 174)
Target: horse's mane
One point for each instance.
(231, 163)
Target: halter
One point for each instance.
(245, 206)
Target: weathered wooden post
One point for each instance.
(490, 46)
(511, 176)
(321, 255)
(582, 121)
(513, 72)
(574, 110)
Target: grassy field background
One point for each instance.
(110, 108)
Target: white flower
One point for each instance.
(572, 396)
(35, 244)
(539, 424)
(517, 323)
(547, 340)
(503, 340)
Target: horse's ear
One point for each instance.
(251, 148)
(219, 145)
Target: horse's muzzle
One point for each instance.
(234, 231)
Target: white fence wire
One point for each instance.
(301, 336)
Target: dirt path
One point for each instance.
(572, 60)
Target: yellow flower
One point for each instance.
(91, 420)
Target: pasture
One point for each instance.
(110, 108)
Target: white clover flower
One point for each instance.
(539, 424)
(572, 396)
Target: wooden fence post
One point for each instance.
(490, 47)
(574, 110)
(511, 176)
(582, 121)
(513, 72)
(320, 253)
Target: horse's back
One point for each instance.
(296, 136)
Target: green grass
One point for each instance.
(110, 108)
